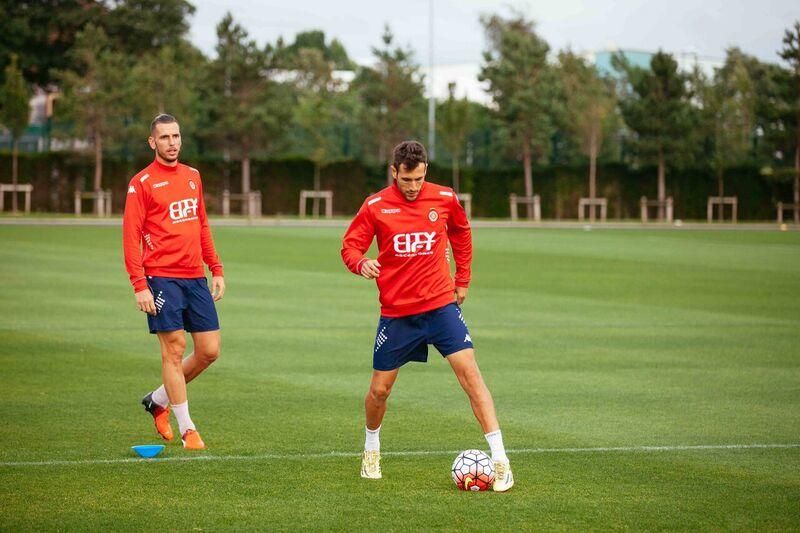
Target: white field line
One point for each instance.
(335, 454)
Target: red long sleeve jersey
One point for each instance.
(165, 229)
(412, 241)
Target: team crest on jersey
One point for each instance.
(192, 185)
(433, 216)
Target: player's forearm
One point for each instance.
(463, 274)
(132, 252)
(462, 255)
(356, 241)
(353, 259)
(133, 265)
(210, 256)
(132, 223)
(354, 245)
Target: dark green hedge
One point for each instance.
(56, 175)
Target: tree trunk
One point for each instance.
(14, 175)
(245, 181)
(456, 176)
(317, 186)
(226, 171)
(721, 192)
(662, 188)
(98, 170)
(245, 172)
(592, 173)
(527, 161)
(593, 167)
(797, 181)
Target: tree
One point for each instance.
(14, 115)
(95, 92)
(317, 113)
(728, 112)
(522, 86)
(140, 27)
(393, 108)
(791, 54)
(41, 34)
(590, 102)
(248, 109)
(773, 134)
(456, 121)
(167, 81)
(656, 108)
(333, 52)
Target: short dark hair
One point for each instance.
(163, 118)
(409, 154)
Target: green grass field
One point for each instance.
(601, 339)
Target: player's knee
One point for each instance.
(472, 381)
(172, 351)
(379, 392)
(210, 353)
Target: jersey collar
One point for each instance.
(165, 168)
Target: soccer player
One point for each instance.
(413, 220)
(165, 236)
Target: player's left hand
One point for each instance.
(460, 295)
(217, 287)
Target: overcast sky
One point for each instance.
(705, 27)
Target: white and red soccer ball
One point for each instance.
(473, 470)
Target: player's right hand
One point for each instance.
(371, 269)
(145, 303)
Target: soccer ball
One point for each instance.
(473, 470)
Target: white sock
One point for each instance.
(372, 442)
(181, 411)
(495, 440)
(160, 397)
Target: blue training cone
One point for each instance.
(148, 450)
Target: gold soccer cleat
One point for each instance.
(503, 478)
(371, 464)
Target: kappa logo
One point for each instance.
(160, 184)
(390, 211)
(131, 190)
(183, 210)
(467, 338)
(413, 243)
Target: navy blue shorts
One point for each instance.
(182, 303)
(403, 339)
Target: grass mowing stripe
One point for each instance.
(335, 454)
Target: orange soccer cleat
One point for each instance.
(160, 416)
(192, 441)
